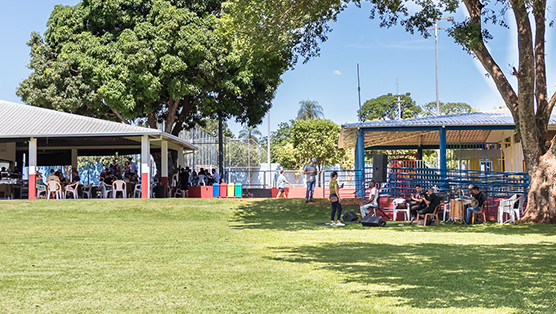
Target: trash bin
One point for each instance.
(223, 189)
(238, 190)
(215, 190)
(231, 189)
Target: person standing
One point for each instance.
(215, 176)
(334, 189)
(310, 171)
(281, 183)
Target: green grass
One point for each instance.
(184, 255)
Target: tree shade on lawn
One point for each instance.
(182, 255)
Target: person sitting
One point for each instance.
(480, 200)
(371, 202)
(194, 179)
(417, 201)
(74, 182)
(432, 200)
(53, 176)
(108, 178)
(202, 177)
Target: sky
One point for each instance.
(390, 60)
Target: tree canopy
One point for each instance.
(429, 109)
(171, 61)
(386, 107)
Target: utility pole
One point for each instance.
(399, 102)
(436, 29)
(359, 91)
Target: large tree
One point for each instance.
(169, 61)
(317, 138)
(528, 100)
(429, 109)
(386, 107)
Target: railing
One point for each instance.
(496, 184)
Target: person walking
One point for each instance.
(310, 171)
(281, 183)
(334, 189)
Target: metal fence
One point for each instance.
(454, 182)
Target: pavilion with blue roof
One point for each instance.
(491, 133)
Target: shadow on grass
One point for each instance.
(294, 214)
(284, 214)
(439, 276)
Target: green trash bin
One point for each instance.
(231, 189)
(238, 189)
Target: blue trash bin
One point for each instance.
(238, 190)
(216, 190)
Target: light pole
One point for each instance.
(449, 18)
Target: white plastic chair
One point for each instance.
(519, 210)
(447, 210)
(173, 186)
(41, 189)
(72, 189)
(53, 187)
(507, 207)
(405, 210)
(87, 190)
(137, 191)
(119, 186)
(105, 189)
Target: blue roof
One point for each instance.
(472, 127)
(499, 117)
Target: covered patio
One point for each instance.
(483, 147)
(33, 136)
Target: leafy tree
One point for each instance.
(281, 146)
(386, 107)
(528, 101)
(310, 109)
(317, 138)
(429, 109)
(168, 60)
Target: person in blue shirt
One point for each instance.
(281, 183)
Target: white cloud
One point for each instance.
(336, 72)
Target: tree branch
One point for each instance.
(120, 117)
(474, 7)
(543, 108)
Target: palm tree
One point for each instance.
(310, 109)
(249, 133)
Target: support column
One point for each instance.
(442, 156)
(145, 167)
(360, 163)
(32, 169)
(181, 162)
(164, 165)
(73, 159)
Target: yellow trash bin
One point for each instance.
(231, 189)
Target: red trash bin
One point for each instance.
(223, 189)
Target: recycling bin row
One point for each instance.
(226, 189)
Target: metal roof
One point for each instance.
(20, 121)
(472, 127)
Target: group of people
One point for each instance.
(66, 184)
(115, 172)
(185, 178)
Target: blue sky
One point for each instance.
(385, 56)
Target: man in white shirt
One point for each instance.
(372, 202)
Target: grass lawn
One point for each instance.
(185, 255)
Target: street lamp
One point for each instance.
(449, 18)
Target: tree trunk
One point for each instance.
(541, 203)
